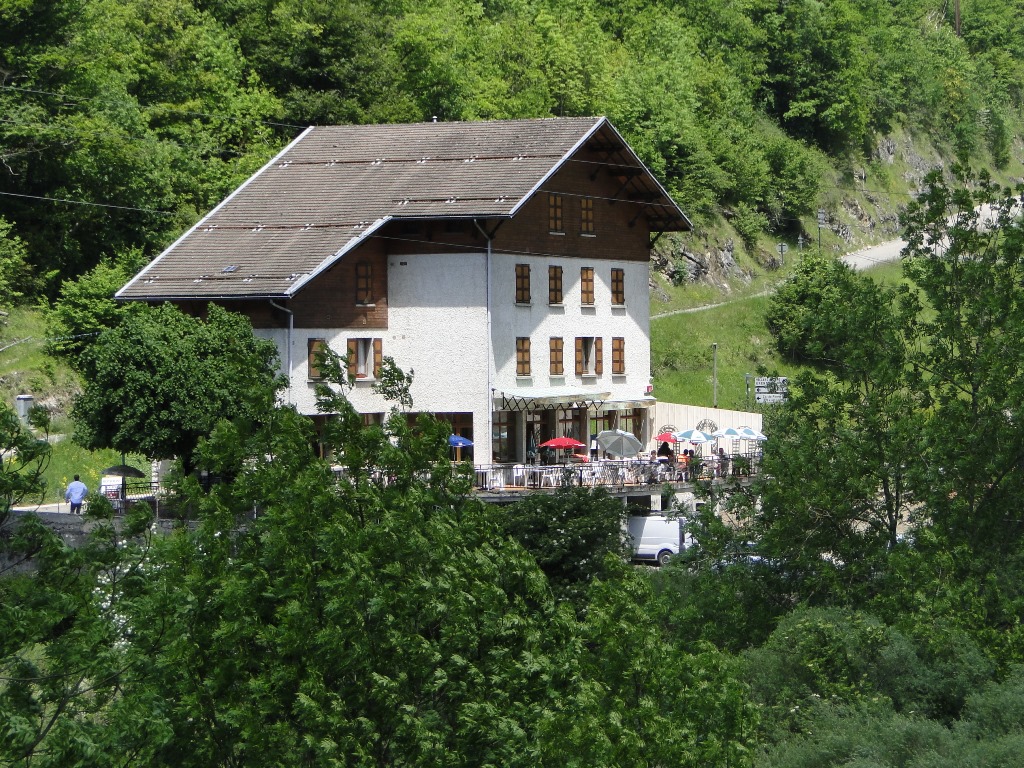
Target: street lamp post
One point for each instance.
(714, 375)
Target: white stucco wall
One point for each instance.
(540, 321)
(437, 328)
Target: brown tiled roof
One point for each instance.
(335, 185)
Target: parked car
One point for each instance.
(656, 538)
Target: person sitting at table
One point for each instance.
(665, 452)
(684, 466)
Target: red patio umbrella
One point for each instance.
(666, 437)
(561, 442)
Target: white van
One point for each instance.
(656, 537)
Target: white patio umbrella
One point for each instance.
(729, 433)
(749, 433)
(618, 442)
(694, 436)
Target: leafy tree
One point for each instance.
(86, 306)
(15, 281)
(161, 380)
(968, 270)
(23, 458)
(570, 534)
(382, 618)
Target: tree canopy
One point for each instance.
(161, 380)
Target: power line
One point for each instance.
(83, 202)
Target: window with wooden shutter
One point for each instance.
(554, 285)
(313, 348)
(618, 287)
(522, 283)
(588, 356)
(555, 213)
(618, 354)
(598, 357)
(365, 357)
(364, 282)
(523, 356)
(555, 356)
(587, 216)
(587, 286)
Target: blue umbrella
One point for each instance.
(458, 441)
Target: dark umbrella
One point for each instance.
(123, 470)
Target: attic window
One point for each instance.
(230, 268)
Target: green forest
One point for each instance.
(863, 606)
(125, 120)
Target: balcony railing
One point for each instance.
(612, 474)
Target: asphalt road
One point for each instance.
(862, 259)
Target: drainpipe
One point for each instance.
(288, 351)
(490, 356)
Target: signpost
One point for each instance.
(769, 389)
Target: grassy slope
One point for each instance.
(25, 368)
(682, 357)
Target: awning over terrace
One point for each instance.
(548, 399)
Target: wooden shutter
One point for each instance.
(378, 356)
(353, 357)
(313, 348)
(579, 356)
(598, 357)
(618, 354)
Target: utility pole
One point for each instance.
(714, 375)
(821, 223)
(746, 381)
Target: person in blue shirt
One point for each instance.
(75, 494)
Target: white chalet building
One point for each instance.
(504, 262)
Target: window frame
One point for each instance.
(618, 285)
(364, 284)
(555, 292)
(618, 355)
(522, 356)
(313, 347)
(556, 356)
(587, 286)
(556, 213)
(587, 216)
(589, 356)
(365, 356)
(522, 283)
